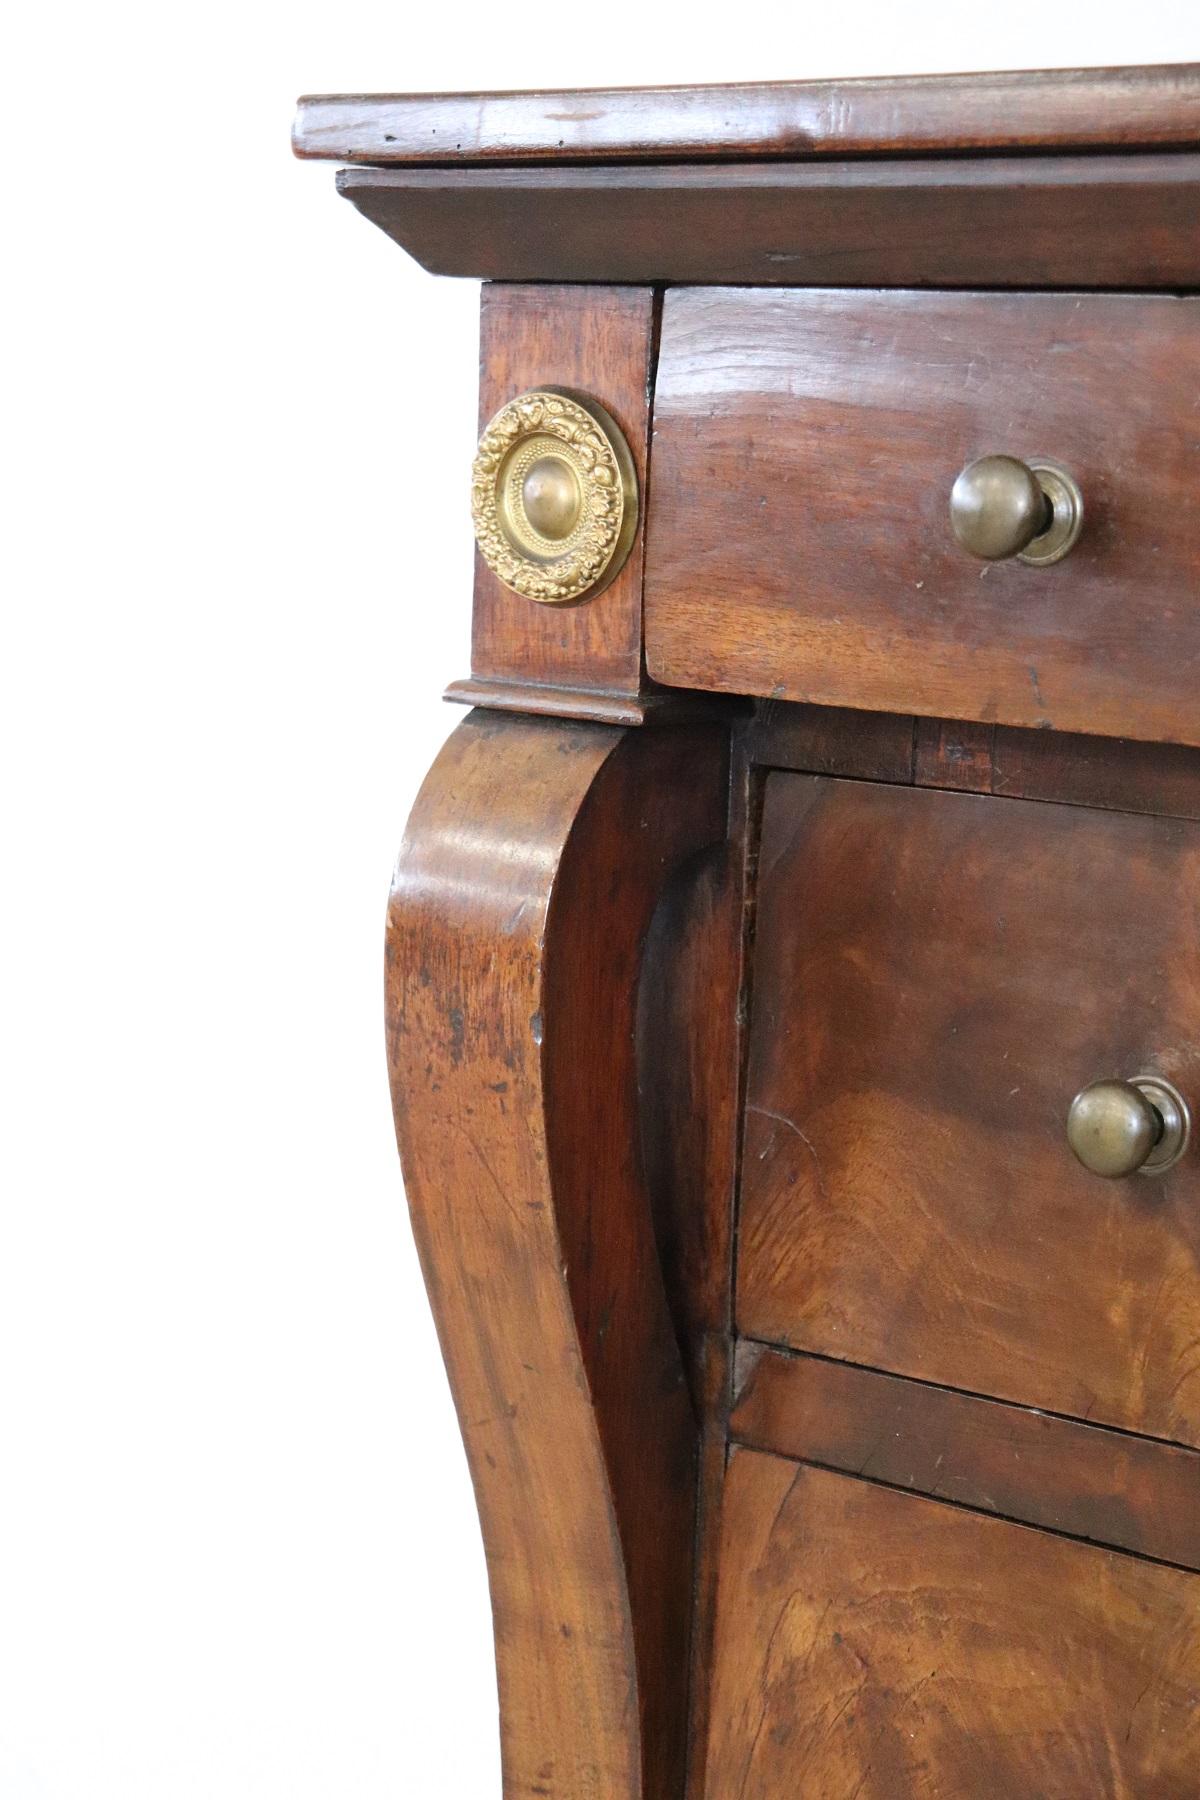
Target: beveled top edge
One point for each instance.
(1122, 108)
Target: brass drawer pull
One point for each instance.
(1121, 1128)
(1001, 507)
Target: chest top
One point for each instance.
(1072, 177)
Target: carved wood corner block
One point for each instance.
(598, 343)
(529, 876)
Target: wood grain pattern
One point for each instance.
(981, 223)
(689, 1045)
(1089, 771)
(831, 740)
(652, 704)
(877, 1645)
(926, 113)
(936, 975)
(1115, 774)
(805, 446)
(745, 815)
(948, 753)
(532, 866)
(601, 341)
(1104, 1486)
(714, 1453)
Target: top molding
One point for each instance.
(912, 115)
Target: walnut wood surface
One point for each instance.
(927, 113)
(688, 1050)
(1106, 1486)
(805, 445)
(1111, 773)
(878, 1645)
(579, 703)
(1082, 221)
(531, 869)
(690, 1044)
(936, 975)
(832, 740)
(1086, 771)
(601, 341)
(955, 754)
(680, 1050)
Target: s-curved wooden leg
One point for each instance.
(528, 878)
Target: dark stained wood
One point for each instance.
(1116, 774)
(1106, 1486)
(532, 866)
(602, 341)
(936, 975)
(832, 740)
(951, 754)
(746, 790)
(548, 702)
(690, 1048)
(888, 115)
(1088, 771)
(805, 445)
(575, 703)
(880, 1645)
(689, 1044)
(717, 1367)
(975, 223)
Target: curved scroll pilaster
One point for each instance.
(529, 874)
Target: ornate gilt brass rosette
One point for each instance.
(554, 496)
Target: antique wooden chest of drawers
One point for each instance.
(793, 976)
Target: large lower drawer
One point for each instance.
(875, 1644)
(799, 542)
(935, 977)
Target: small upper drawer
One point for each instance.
(799, 536)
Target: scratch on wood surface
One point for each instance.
(782, 1119)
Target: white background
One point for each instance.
(238, 1550)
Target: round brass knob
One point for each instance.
(554, 496)
(1132, 1127)
(551, 497)
(1001, 507)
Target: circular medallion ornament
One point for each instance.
(554, 496)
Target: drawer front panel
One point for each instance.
(799, 539)
(876, 1644)
(935, 977)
